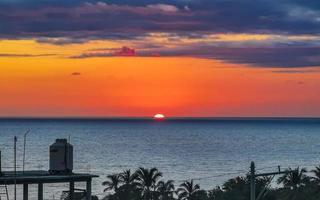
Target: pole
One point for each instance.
(25, 191)
(40, 191)
(88, 189)
(15, 167)
(71, 190)
(24, 149)
(252, 182)
(0, 164)
(254, 175)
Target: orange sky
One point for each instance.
(143, 86)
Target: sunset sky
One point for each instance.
(136, 58)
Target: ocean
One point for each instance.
(210, 151)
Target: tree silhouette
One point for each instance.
(165, 190)
(294, 179)
(144, 184)
(216, 193)
(188, 191)
(316, 172)
(294, 183)
(128, 190)
(147, 180)
(128, 178)
(112, 183)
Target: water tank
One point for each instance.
(61, 157)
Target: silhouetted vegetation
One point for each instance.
(147, 184)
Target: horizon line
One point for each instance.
(152, 118)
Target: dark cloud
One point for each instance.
(125, 51)
(295, 71)
(108, 52)
(63, 22)
(87, 20)
(268, 57)
(313, 4)
(278, 57)
(76, 74)
(100, 19)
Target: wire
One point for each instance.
(214, 176)
(236, 172)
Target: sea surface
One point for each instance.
(210, 151)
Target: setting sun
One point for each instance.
(159, 116)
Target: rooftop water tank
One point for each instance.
(61, 157)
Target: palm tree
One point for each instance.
(188, 190)
(127, 190)
(316, 180)
(112, 183)
(236, 184)
(294, 182)
(294, 178)
(165, 190)
(317, 174)
(128, 178)
(147, 180)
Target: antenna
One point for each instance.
(15, 167)
(24, 148)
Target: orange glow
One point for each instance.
(142, 86)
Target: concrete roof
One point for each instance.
(34, 177)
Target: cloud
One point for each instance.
(276, 57)
(95, 19)
(75, 73)
(25, 55)
(130, 22)
(295, 71)
(164, 7)
(61, 41)
(283, 57)
(125, 51)
(108, 52)
(87, 20)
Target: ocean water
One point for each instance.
(208, 151)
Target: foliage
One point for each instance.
(188, 191)
(146, 184)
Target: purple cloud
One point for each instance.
(77, 21)
(108, 52)
(278, 57)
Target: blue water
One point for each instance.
(209, 151)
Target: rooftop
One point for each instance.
(40, 176)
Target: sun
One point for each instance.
(159, 116)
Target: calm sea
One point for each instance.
(209, 151)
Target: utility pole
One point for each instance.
(0, 164)
(253, 176)
(252, 182)
(15, 167)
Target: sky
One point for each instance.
(137, 58)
